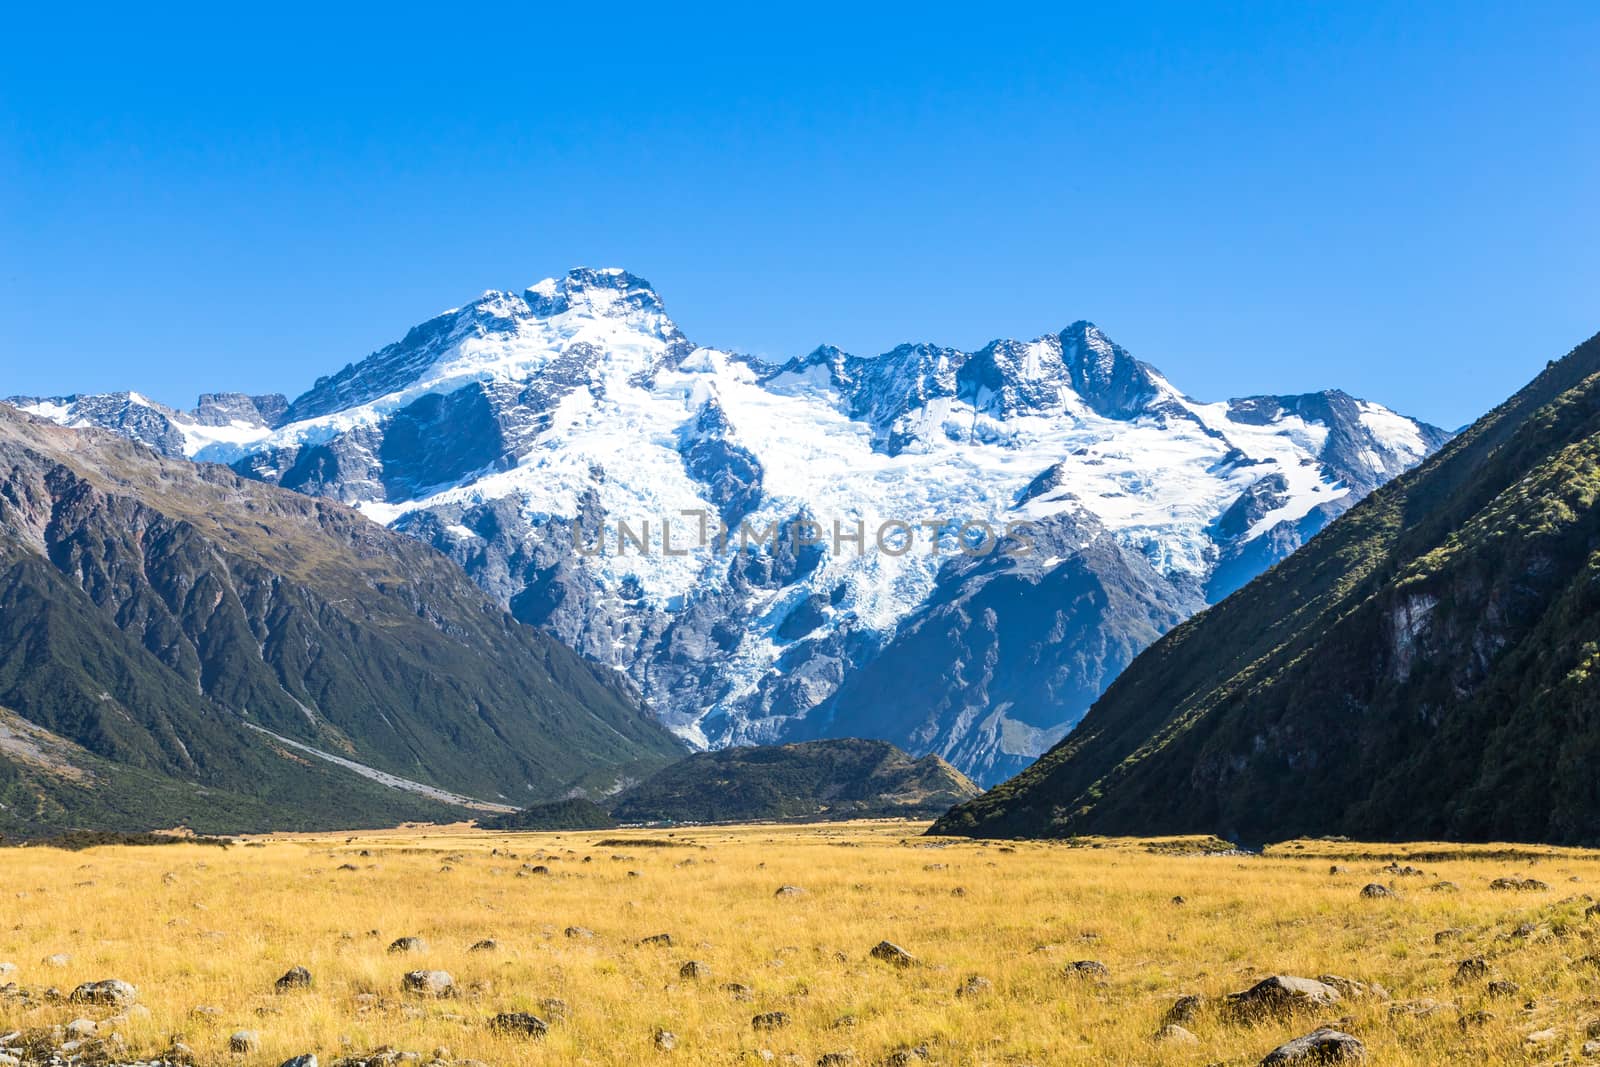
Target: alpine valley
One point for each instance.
(522, 434)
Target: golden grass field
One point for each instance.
(194, 926)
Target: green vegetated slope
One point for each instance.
(1427, 667)
(836, 779)
(574, 813)
(190, 641)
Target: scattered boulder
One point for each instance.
(244, 1041)
(1504, 989)
(891, 953)
(1421, 1008)
(975, 986)
(770, 1020)
(694, 970)
(1474, 1020)
(429, 983)
(738, 990)
(789, 891)
(110, 992)
(1320, 1046)
(661, 940)
(1349, 987)
(1471, 969)
(519, 1024)
(293, 978)
(1173, 1034)
(58, 959)
(1444, 887)
(666, 1040)
(488, 944)
(1376, 891)
(554, 1008)
(1186, 1009)
(580, 933)
(1282, 995)
(1406, 871)
(401, 945)
(1452, 934)
(307, 1060)
(1518, 885)
(1087, 969)
(836, 1059)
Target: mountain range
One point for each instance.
(1428, 667)
(181, 645)
(576, 454)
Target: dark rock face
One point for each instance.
(1008, 649)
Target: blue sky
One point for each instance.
(1253, 197)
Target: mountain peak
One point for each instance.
(604, 290)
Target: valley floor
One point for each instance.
(204, 933)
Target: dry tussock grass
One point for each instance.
(194, 926)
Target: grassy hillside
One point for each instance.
(1426, 667)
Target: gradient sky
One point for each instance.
(1255, 198)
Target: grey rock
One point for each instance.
(294, 978)
(519, 1023)
(429, 983)
(975, 986)
(244, 1041)
(1173, 1034)
(891, 953)
(1185, 1010)
(1320, 1046)
(1281, 995)
(111, 992)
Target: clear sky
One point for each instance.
(1256, 198)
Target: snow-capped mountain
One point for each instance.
(577, 455)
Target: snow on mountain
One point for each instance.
(541, 438)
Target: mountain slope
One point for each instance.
(182, 622)
(837, 779)
(520, 433)
(1428, 667)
